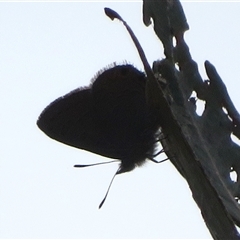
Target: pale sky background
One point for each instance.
(48, 49)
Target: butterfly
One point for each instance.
(110, 117)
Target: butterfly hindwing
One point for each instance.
(69, 120)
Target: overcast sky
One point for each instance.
(48, 49)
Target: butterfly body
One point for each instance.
(110, 118)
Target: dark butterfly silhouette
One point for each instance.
(110, 117)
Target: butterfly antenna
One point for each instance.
(112, 14)
(100, 205)
(89, 165)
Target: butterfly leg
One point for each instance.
(155, 161)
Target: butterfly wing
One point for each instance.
(69, 119)
(119, 102)
(109, 118)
